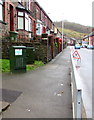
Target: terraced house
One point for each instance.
(89, 39)
(26, 23)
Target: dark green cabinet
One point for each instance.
(30, 55)
(18, 59)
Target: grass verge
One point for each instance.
(35, 65)
(5, 65)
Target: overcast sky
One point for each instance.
(78, 11)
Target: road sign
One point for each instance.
(76, 55)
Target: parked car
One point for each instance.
(90, 47)
(84, 45)
(77, 46)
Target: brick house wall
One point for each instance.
(22, 34)
(5, 25)
(10, 8)
(45, 51)
(3, 31)
(38, 12)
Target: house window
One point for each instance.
(41, 15)
(39, 29)
(1, 10)
(26, 4)
(37, 10)
(19, 1)
(30, 24)
(20, 23)
(20, 14)
(26, 22)
(29, 4)
(20, 20)
(30, 28)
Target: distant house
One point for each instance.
(85, 40)
(89, 39)
(72, 41)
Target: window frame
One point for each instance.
(30, 24)
(2, 7)
(19, 16)
(26, 18)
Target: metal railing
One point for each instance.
(77, 101)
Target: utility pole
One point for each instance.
(62, 33)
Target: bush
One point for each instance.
(38, 63)
(35, 65)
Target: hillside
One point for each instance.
(73, 30)
(72, 33)
(74, 26)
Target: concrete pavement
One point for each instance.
(43, 93)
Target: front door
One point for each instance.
(11, 18)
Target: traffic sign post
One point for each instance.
(76, 56)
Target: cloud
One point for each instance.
(79, 11)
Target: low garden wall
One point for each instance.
(43, 50)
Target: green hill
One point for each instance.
(72, 33)
(74, 26)
(74, 30)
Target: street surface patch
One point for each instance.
(9, 95)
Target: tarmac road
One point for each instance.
(43, 93)
(85, 73)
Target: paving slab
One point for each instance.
(45, 92)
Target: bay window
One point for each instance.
(1, 10)
(24, 22)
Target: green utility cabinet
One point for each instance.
(17, 59)
(30, 55)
